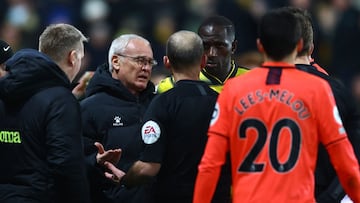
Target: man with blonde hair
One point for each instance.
(40, 127)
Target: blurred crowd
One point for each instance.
(337, 26)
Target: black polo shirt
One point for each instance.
(175, 133)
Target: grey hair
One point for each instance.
(119, 45)
(59, 39)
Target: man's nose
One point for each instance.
(212, 51)
(146, 67)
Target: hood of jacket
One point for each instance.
(102, 81)
(30, 71)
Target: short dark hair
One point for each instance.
(184, 48)
(219, 20)
(306, 26)
(279, 32)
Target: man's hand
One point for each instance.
(112, 155)
(79, 90)
(116, 174)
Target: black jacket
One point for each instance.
(112, 116)
(40, 133)
(327, 186)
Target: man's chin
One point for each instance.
(212, 69)
(141, 85)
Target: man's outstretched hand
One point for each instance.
(111, 155)
(115, 175)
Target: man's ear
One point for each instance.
(166, 62)
(115, 62)
(311, 49)
(259, 46)
(234, 46)
(300, 45)
(72, 58)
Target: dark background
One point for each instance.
(336, 26)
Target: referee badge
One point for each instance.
(150, 132)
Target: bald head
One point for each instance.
(184, 48)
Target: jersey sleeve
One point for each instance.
(152, 131)
(215, 152)
(334, 138)
(209, 168)
(327, 115)
(342, 157)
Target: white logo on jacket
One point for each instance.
(6, 48)
(117, 121)
(150, 132)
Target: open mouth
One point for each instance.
(143, 77)
(211, 65)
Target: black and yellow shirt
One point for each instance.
(213, 82)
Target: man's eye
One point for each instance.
(220, 45)
(140, 60)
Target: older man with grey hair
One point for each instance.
(175, 126)
(116, 99)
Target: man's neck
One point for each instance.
(191, 74)
(302, 60)
(290, 59)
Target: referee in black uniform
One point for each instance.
(175, 127)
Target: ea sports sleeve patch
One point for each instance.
(150, 132)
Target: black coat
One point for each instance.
(112, 116)
(40, 133)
